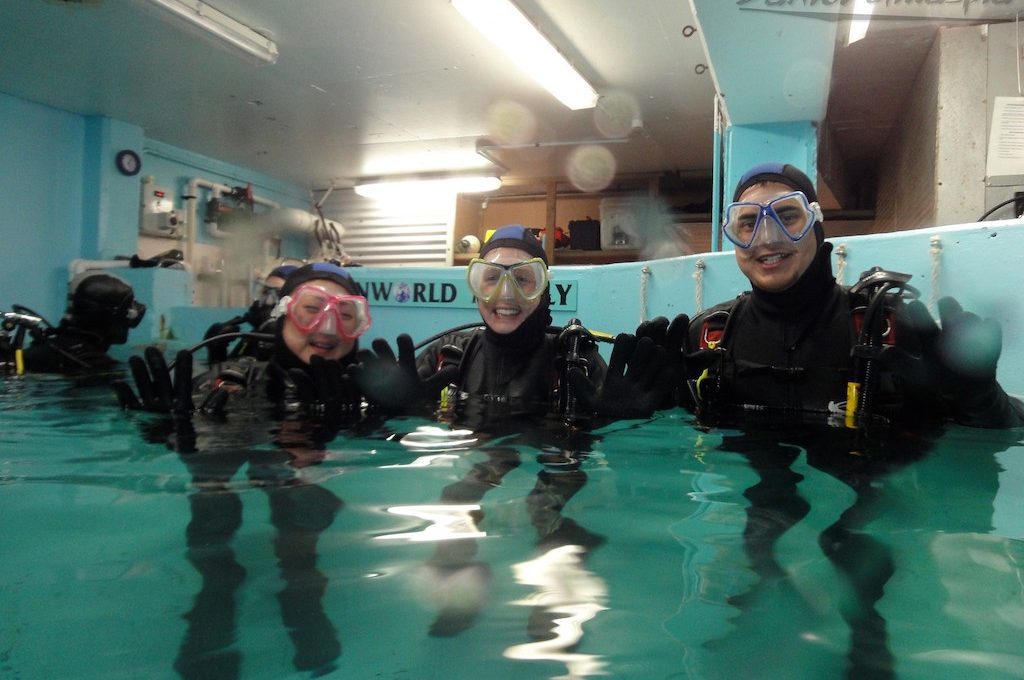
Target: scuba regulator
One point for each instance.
(573, 341)
(13, 327)
(876, 330)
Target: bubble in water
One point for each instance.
(591, 168)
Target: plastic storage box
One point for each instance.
(622, 222)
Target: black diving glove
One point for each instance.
(636, 384)
(157, 392)
(325, 390)
(671, 337)
(395, 385)
(217, 351)
(957, 363)
(687, 366)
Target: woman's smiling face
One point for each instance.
(507, 311)
(328, 345)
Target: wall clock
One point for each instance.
(128, 162)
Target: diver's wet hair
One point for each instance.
(776, 172)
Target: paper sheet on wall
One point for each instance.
(1006, 139)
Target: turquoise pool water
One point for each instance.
(414, 550)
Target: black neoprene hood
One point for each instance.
(515, 236)
(776, 172)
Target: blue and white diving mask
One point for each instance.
(786, 218)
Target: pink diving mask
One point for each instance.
(314, 310)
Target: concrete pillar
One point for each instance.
(772, 71)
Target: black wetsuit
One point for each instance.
(791, 352)
(69, 350)
(521, 372)
(245, 347)
(504, 372)
(508, 384)
(798, 363)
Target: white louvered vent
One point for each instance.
(377, 233)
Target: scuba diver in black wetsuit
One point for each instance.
(318, 321)
(798, 342)
(258, 316)
(101, 310)
(799, 349)
(514, 363)
(512, 359)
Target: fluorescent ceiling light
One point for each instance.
(510, 31)
(859, 27)
(410, 187)
(210, 22)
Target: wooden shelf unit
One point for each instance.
(549, 203)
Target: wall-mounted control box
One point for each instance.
(158, 217)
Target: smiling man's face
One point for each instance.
(774, 267)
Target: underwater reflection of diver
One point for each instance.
(299, 510)
(776, 505)
(454, 570)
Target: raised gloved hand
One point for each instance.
(962, 353)
(673, 337)
(394, 384)
(217, 351)
(956, 362)
(636, 384)
(157, 392)
(326, 390)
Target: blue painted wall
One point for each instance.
(795, 143)
(41, 203)
(787, 80)
(110, 217)
(62, 198)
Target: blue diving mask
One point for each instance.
(788, 217)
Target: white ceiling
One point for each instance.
(370, 87)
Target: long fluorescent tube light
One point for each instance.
(467, 184)
(212, 22)
(510, 31)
